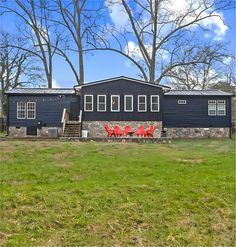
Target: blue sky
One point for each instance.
(105, 64)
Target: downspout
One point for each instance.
(162, 108)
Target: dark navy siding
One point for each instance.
(49, 109)
(195, 112)
(122, 87)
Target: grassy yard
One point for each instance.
(75, 194)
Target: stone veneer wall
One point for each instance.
(96, 128)
(198, 132)
(21, 131)
(17, 131)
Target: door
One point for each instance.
(74, 111)
(31, 131)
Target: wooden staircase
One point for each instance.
(72, 129)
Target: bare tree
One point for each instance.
(158, 31)
(15, 63)
(202, 75)
(80, 20)
(34, 15)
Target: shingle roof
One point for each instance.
(199, 92)
(41, 91)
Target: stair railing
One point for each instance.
(64, 119)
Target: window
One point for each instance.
(216, 108)
(221, 109)
(115, 103)
(128, 103)
(101, 103)
(142, 103)
(211, 107)
(21, 110)
(88, 102)
(182, 102)
(31, 110)
(154, 103)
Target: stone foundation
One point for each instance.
(96, 128)
(17, 131)
(198, 132)
(21, 131)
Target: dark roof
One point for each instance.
(119, 78)
(199, 92)
(41, 91)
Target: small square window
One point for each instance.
(182, 102)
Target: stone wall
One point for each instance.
(17, 131)
(198, 132)
(21, 131)
(96, 128)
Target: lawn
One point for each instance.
(117, 194)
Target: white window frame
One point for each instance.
(182, 102)
(85, 96)
(118, 96)
(34, 110)
(221, 103)
(158, 102)
(212, 103)
(132, 103)
(98, 102)
(19, 104)
(145, 96)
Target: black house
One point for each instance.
(118, 101)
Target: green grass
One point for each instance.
(105, 194)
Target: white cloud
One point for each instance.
(55, 84)
(117, 13)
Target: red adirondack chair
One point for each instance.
(127, 130)
(140, 131)
(118, 131)
(109, 131)
(150, 131)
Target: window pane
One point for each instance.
(142, 99)
(115, 103)
(155, 107)
(89, 106)
(89, 99)
(128, 103)
(154, 99)
(101, 99)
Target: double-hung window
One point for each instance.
(142, 103)
(154, 103)
(21, 110)
(88, 102)
(101, 103)
(221, 109)
(128, 103)
(31, 110)
(115, 103)
(211, 107)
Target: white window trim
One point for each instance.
(145, 96)
(18, 103)
(34, 103)
(158, 102)
(182, 102)
(212, 102)
(85, 96)
(103, 95)
(118, 96)
(132, 103)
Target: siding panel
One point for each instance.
(195, 112)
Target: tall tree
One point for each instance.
(155, 30)
(15, 64)
(81, 21)
(35, 26)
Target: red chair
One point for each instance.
(127, 130)
(140, 131)
(110, 132)
(150, 131)
(118, 131)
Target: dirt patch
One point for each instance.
(222, 220)
(190, 161)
